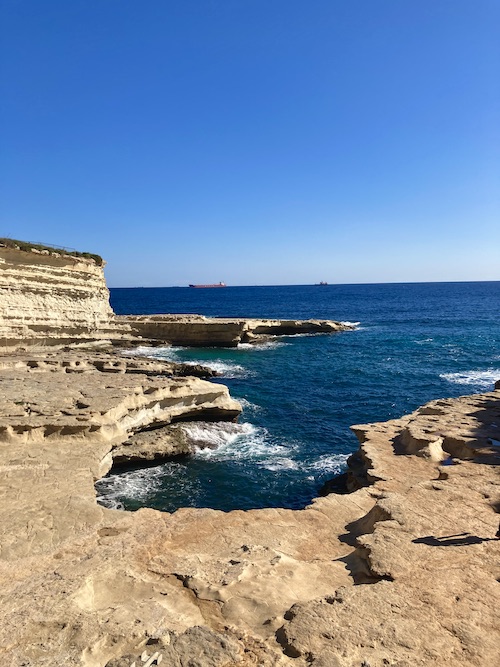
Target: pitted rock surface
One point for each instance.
(403, 571)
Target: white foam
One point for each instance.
(424, 340)
(261, 347)
(311, 334)
(481, 379)
(351, 324)
(223, 368)
(279, 463)
(250, 443)
(247, 405)
(136, 484)
(216, 434)
(167, 352)
(330, 464)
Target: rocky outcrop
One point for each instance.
(55, 406)
(429, 546)
(403, 571)
(49, 298)
(53, 299)
(200, 331)
(164, 442)
(84, 362)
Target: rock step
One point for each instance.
(200, 331)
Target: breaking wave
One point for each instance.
(481, 379)
(166, 353)
(139, 485)
(248, 443)
(223, 368)
(260, 347)
(328, 464)
(214, 435)
(247, 406)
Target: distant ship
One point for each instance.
(221, 284)
(322, 283)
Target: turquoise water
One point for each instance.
(414, 343)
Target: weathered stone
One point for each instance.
(200, 331)
(428, 543)
(172, 440)
(84, 585)
(403, 571)
(49, 299)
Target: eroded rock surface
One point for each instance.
(164, 442)
(52, 299)
(429, 545)
(201, 331)
(403, 571)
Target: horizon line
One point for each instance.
(405, 282)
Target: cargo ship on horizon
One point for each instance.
(221, 284)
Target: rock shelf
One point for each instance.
(351, 580)
(200, 331)
(54, 299)
(402, 571)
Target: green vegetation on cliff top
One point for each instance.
(27, 246)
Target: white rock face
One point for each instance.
(47, 299)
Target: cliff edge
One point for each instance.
(51, 298)
(402, 571)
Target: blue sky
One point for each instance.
(255, 141)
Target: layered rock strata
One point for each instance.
(200, 331)
(53, 299)
(72, 361)
(403, 571)
(39, 406)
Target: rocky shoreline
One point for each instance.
(350, 580)
(400, 571)
(200, 331)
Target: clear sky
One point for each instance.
(255, 141)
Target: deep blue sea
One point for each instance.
(413, 343)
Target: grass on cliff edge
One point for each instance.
(25, 245)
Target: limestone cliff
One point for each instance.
(401, 571)
(51, 298)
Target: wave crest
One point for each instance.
(481, 379)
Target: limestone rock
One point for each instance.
(55, 406)
(173, 440)
(202, 647)
(82, 361)
(200, 331)
(50, 298)
(428, 544)
(53, 299)
(403, 571)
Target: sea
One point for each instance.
(300, 394)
